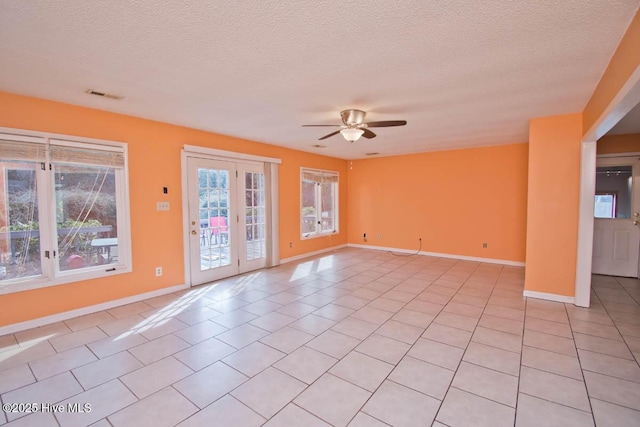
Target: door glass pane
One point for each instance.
(19, 227)
(86, 216)
(214, 218)
(254, 203)
(613, 192)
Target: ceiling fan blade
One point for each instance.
(368, 134)
(307, 126)
(329, 135)
(387, 123)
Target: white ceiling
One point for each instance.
(462, 73)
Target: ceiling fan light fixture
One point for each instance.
(351, 134)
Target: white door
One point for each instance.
(616, 237)
(252, 218)
(226, 201)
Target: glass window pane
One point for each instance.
(308, 207)
(213, 178)
(202, 178)
(224, 179)
(605, 206)
(86, 216)
(328, 198)
(613, 192)
(224, 198)
(203, 201)
(19, 222)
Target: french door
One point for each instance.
(227, 218)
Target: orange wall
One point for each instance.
(613, 144)
(624, 62)
(454, 200)
(154, 162)
(552, 207)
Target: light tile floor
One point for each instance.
(354, 337)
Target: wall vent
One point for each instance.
(103, 94)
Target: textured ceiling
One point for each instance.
(462, 73)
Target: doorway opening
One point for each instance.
(230, 220)
(616, 236)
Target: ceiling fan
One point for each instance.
(353, 126)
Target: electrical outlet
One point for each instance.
(485, 245)
(162, 206)
(290, 244)
(158, 271)
(378, 236)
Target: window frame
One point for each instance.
(51, 274)
(321, 173)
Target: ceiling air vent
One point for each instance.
(318, 146)
(103, 94)
(371, 154)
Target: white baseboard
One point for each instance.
(441, 255)
(41, 321)
(548, 297)
(310, 254)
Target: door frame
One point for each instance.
(198, 275)
(620, 105)
(271, 170)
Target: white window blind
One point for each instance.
(19, 150)
(87, 156)
(319, 176)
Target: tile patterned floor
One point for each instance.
(354, 337)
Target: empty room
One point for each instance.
(320, 213)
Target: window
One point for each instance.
(614, 186)
(64, 212)
(605, 205)
(319, 203)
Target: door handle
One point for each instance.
(194, 231)
(636, 214)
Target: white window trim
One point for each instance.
(336, 208)
(214, 153)
(49, 277)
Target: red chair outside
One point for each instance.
(218, 227)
